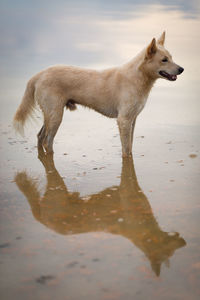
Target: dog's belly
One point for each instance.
(105, 108)
(110, 113)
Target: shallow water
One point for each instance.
(86, 224)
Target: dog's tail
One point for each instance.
(26, 107)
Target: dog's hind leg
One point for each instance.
(49, 130)
(41, 135)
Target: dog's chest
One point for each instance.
(139, 104)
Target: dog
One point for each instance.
(119, 92)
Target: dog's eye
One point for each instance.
(165, 59)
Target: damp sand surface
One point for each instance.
(95, 226)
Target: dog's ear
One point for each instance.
(161, 39)
(151, 49)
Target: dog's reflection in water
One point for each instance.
(122, 210)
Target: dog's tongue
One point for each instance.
(173, 77)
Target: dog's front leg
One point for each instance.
(125, 130)
(132, 131)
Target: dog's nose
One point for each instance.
(180, 70)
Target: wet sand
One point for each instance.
(94, 226)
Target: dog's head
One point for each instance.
(158, 61)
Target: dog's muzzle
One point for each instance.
(169, 76)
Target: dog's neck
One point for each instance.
(136, 73)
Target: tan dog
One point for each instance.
(116, 93)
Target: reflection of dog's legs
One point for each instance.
(128, 174)
(53, 177)
(129, 186)
(47, 160)
(131, 196)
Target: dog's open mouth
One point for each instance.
(168, 76)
